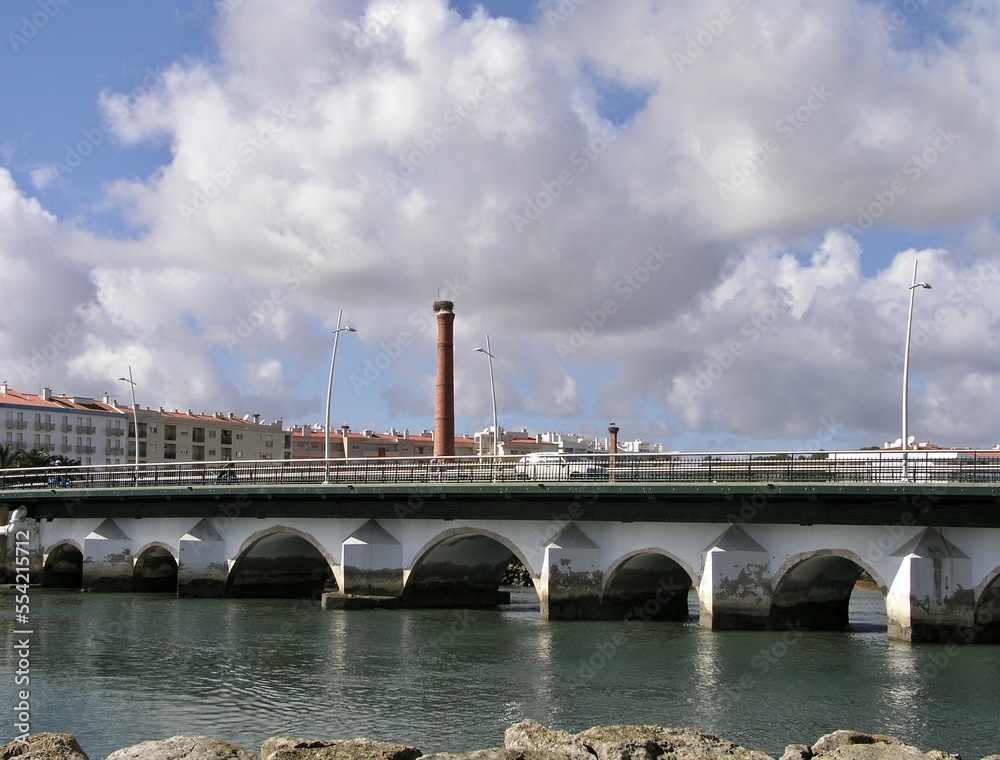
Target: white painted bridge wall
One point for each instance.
(871, 547)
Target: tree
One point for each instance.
(8, 456)
(34, 458)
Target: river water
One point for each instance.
(115, 670)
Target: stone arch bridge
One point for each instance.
(759, 555)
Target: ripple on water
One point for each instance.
(119, 669)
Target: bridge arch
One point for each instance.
(461, 567)
(985, 628)
(648, 584)
(812, 590)
(280, 561)
(155, 568)
(62, 565)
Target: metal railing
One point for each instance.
(712, 467)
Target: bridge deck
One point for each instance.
(968, 505)
(825, 488)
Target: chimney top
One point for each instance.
(443, 307)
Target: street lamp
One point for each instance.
(493, 391)
(135, 418)
(329, 390)
(904, 441)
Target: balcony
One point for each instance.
(84, 449)
(113, 451)
(45, 426)
(114, 432)
(86, 429)
(66, 428)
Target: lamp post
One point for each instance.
(904, 441)
(329, 391)
(135, 418)
(493, 392)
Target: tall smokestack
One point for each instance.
(444, 403)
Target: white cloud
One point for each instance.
(367, 156)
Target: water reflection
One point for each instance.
(119, 669)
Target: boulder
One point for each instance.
(797, 752)
(44, 746)
(290, 748)
(625, 743)
(495, 753)
(854, 745)
(642, 742)
(183, 748)
(530, 735)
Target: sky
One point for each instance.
(697, 220)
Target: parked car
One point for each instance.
(558, 467)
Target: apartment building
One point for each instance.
(91, 431)
(175, 436)
(309, 443)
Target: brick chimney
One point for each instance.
(444, 402)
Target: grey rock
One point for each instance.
(649, 742)
(853, 745)
(625, 743)
(44, 746)
(532, 735)
(290, 748)
(495, 753)
(797, 752)
(183, 748)
(842, 738)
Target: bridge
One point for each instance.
(765, 541)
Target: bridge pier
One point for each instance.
(202, 566)
(107, 559)
(932, 597)
(735, 591)
(371, 563)
(571, 577)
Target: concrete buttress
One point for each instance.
(932, 597)
(735, 592)
(372, 562)
(203, 566)
(107, 559)
(571, 577)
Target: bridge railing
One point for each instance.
(707, 467)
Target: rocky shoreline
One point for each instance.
(527, 740)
